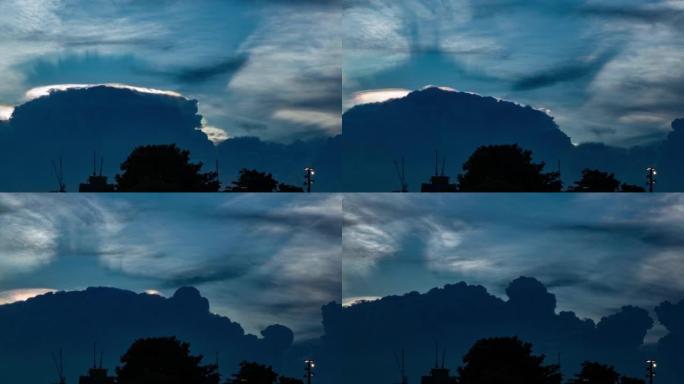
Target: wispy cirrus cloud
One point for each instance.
(596, 251)
(260, 260)
(608, 72)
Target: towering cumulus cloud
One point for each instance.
(455, 316)
(456, 123)
(30, 331)
(73, 122)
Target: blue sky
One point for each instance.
(607, 71)
(259, 260)
(254, 66)
(595, 252)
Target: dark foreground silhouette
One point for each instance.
(509, 168)
(163, 168)
(506, 168)
(167, 168)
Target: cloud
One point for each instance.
(105, 315)
(563, 73)
(194, 50)
(609, 251)
(37, 92)
(208, 72)
(6, 112)
(456, 315)
(23, 294)
(582, 59)
(375, 96)
(289, 69)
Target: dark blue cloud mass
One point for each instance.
(455, 123)
(112, 120)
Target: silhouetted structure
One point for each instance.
(308, 370)
(58, 169)
(251, 180)
(596, 373)
(505, 360)
(58, 360)
(163, 168)
(402, 368)
(308, 177)
(96, 182)
(164, 360)
(439, 374)
(650, 370)
(255, 373)
(96, 374)
(401, 174)
(439, 182)
(650, 178)
(505, 168)
(594, 180)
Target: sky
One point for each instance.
(595, 252)
(253, 66)
(607, 71)
(252, 257)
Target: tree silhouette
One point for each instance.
(631, 380)
(254, 373)
(163, 168)
(251, 180)
(506, 168)
(163, 360)
(631, 188)
(594, 180)
(596, 373)
(502, 360)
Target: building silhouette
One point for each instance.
(439, 182)
(96, 182)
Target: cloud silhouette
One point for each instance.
(456, 123)
(455, 316)
(114, 318)
(72, 122)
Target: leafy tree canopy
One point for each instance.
(503, 360)
(163, 168)
(251, 180)
(164, 360)
(506, 168)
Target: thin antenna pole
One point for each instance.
(436, 163)
(436, 355)
(403, 368)
(101, 164)
(308, 370)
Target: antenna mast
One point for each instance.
(401, 174)
(308, 370)
(59, 174)
(650, 178)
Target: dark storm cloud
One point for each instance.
(209, 72)
(564, 73)
(655, 13)
(458, 314)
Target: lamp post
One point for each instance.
(650, 370)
